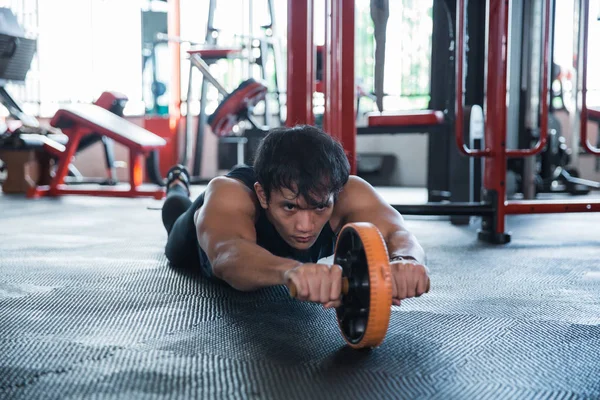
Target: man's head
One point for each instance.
(300, 172)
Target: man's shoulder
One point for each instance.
(228, 196)
(227, 185)
(356, 194)
(354, 184)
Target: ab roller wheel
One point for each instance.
(364, 314)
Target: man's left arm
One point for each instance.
(359, 202)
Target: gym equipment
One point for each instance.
(235, 107)
(38, 139)
(555, 176)
(16, 54)
(253, 51)
(77, 121)
(364, 315)
(339, 92)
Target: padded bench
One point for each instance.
(79, 120)
(407, 118)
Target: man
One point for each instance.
(269, 224)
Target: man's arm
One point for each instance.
(359, 202)
(225, 229)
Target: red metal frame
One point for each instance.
(348, 85)
(300, 63)
(539, 147)
(339, 91)
(338, 75)
(551, 206)
(459, 121)
(495, 130)
(330, 89)
(584, 25)
(174, 30)
(495, 106)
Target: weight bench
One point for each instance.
(77, 121)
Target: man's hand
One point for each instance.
(409, 279)
(319, 283)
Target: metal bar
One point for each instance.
(339, 88)
(548, 207)
(203, 67)
(495, 109)
(454, 208)
(123, 191)
(348, 85)
(327, 77)
(136, 170)
(174, 29)
(64, 160)
(459, 111)
(15, 110)
(584, 25)
(300, 70)
(187, 152)
(396, 130)
(539, 147)
(580, 181)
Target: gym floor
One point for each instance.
(90, 308)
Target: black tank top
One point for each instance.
(268, 238)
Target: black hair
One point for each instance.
(303, 159)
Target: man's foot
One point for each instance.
(178, 175)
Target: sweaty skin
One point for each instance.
(226, 232)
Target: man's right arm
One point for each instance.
(225, 229)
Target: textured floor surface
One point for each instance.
(89, 308)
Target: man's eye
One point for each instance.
(322, 207)
(289, 207)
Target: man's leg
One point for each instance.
(176, 203)
(178, 218)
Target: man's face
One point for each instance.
(298, 222)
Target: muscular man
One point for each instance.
(271, 223)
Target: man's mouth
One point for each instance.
(303, 239)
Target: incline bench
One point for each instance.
(79, 120)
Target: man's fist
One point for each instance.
(409, 279)
(319, 283)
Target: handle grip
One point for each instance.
(345, 287)
(294, 291)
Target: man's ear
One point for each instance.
(262, 196)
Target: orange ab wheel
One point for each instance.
(364, 315)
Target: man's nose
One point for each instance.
(304, 222)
